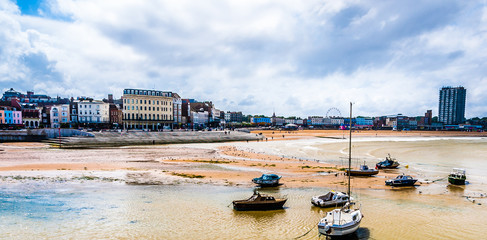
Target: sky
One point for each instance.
(297, 58)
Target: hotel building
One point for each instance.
(147, 109)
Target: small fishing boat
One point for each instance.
(345, 220)
(388, 163)
(401, 180)
(457, 176)
(331, 199)
(259, 202)
(364, 170)
(267, 180)
(340, 222)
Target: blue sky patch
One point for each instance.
(29, 7)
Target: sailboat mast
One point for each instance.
(350, 153)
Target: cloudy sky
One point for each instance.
(298, 57)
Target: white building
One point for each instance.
(294, 121)
(59, 115)
(93, 111)
(315, 121)
(337, 121)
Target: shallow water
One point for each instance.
(112, 210)
(428, 158)
(93, 210)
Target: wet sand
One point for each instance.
(300, 134)
(216, 173)
(221, 164)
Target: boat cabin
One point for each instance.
(458, 172)
(404, 177)
(364, 167)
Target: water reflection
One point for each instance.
(455, 188)
(201, 212)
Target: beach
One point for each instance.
(214, 163)
(310, 162)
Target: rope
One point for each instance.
(439, 179)
(307, 231)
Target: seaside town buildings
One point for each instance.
(177, 109)
(233, 117)
(147, 109)
(59, 115)
(73, 110)
(31, 115)
(93, 111)
(153, 110)
(261, 121)
(451, 108)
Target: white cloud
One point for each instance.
(299, 58)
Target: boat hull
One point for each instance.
(242, 206)
(401, 183)
(383, 166)
(326, 204)
(266, 183)
(456, 181)
(329, 228)
(340, 231)
(362, 173)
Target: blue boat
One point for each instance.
(401, 180)
(267, 180)
(388, 163)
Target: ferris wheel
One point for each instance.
(333, 110)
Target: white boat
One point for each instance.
(331, 199)
(342, 221)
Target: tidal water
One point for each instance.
(38, 210)
(98, 210)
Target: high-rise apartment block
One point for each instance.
(452, 105)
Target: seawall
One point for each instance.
(36, 135)
(116, 139)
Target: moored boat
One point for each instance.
(267, 180)
(340, 222)
(343, 221)
(388, 163)
(401, 180)
(364, 170)
(457, 176)
(259, 202)
(331, 199)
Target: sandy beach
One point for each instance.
(149, 191)
(221, 164)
